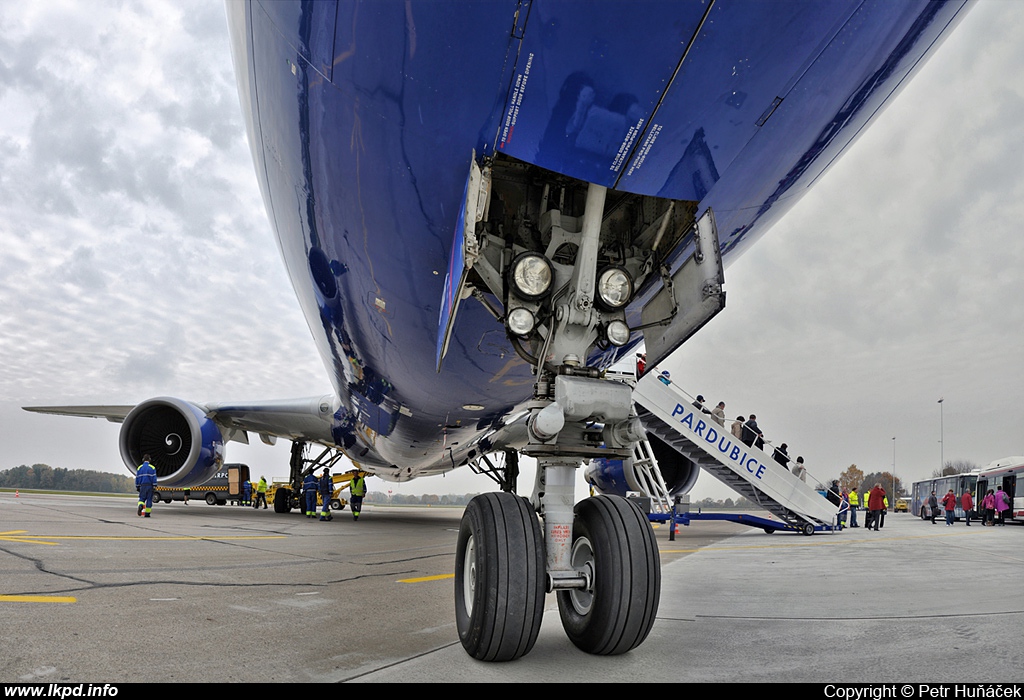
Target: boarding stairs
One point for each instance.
(668, 413)
(645, 468)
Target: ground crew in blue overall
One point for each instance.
(309, 489)
(246, 493)
(357, 488)
(326, 491)
(145, 480)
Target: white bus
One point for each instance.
(1004, 473)
(941, 485)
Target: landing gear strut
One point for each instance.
(600, 557)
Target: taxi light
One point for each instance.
(617, 333)
(520, 321)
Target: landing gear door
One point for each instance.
(465, 251)
(687, 300)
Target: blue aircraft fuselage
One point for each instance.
(363, 118)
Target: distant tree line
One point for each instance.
(954, 466)
(738, 502)
(43, 476)
(429, 499)
(855, 478)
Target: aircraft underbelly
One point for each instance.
(365, 116)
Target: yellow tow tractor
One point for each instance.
(902, 505)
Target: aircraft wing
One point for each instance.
(306, 419)
(114, 414)
(186, 439)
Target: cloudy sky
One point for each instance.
(136, 259)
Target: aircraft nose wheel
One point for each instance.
(583, 561)
(613, 541)
(469, 576)
(499, 577)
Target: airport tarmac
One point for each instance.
(89, 592)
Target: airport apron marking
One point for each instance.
(37, 599)
(21, 537)
(423, 579)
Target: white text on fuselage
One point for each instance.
(705, 431)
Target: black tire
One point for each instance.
(336, 504)
(499, 577)
(613, 539)
(211, 499)
(282, 500)
(769, 530)
(807, 529)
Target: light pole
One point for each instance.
(894, 494)
(942, 445)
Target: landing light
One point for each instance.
(617, 332)
(614, 287)
(520, 321)
(531, 276)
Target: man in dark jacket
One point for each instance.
(326, 491)
(751, 432)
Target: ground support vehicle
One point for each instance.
(680, 515)
(226, 485)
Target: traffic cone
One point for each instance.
(17, 494)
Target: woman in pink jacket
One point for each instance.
(1002, 505)
(988, 504)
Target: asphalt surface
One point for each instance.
(214, 594)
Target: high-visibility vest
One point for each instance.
(854, 498)
(358, 486)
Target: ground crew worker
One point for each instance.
(357, 489)
(246, 493)
(854, 504)
(261, 493)
(326, 491)
(309, 488)
(145, 481)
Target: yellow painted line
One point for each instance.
(441, 577)
(37, 599)
(16, 536)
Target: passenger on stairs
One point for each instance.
(737, 428)
(800, 470)
(782, 456)
(718, 413)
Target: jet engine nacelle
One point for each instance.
(185, 447)
(617, 476)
